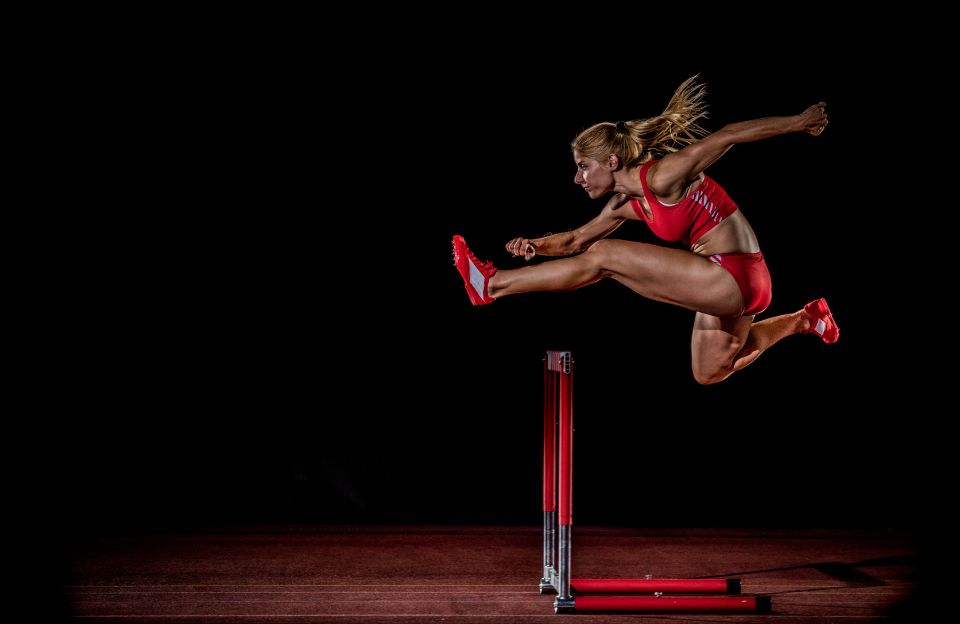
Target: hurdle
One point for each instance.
(558, 537)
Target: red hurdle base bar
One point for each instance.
(651, 586)
(558, 524)
(713, 604)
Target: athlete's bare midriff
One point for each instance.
(732, 235)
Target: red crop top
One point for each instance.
(691, 217)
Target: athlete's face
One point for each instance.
(595, 178)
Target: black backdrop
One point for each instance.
(259, 320)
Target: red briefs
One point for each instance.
(753, 278)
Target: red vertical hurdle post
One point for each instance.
(564, 599)
(548, 582)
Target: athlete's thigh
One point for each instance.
(672, 275)
(717, 340)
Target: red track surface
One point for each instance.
(471, 574)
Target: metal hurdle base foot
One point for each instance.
(546, 587)
(764, 605)
(564, 605)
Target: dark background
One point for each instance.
(258, 319)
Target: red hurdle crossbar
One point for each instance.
(558, 524)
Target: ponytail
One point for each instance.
(638, 141)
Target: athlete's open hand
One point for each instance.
(522, 247)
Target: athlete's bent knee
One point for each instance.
(708, 377)
(600, 254)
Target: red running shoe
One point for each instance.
(821, 321)
(476, 275)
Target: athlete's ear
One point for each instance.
(613, 161)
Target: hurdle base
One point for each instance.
(652, 586)
(546, 587)
(564, 605)
(677, 604)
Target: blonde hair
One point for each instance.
(635, 142)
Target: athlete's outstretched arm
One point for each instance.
(670, 177)
(574, 241)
